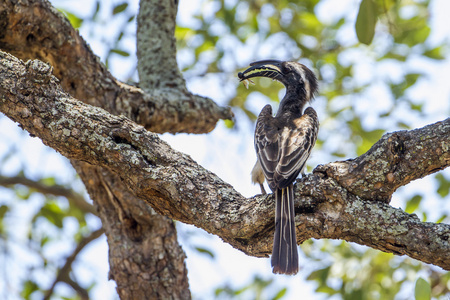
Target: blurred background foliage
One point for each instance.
(375, 60)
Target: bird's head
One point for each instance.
(293, 75)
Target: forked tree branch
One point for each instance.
(176, 186)
(34, 29)
(162, 108)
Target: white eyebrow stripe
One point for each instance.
(306, 83)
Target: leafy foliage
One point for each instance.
(365, 58)
(355, 87)
(366, 21)
(38, 216)
(422, 290)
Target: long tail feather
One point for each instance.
(284, 253)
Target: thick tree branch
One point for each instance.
(143, 245)
(156, 50)
(34, 29)
(177, 187)
(55, 190)
(162, 273)
(331, 211)
(394, 161)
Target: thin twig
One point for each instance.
(63, 273)
(56, 190)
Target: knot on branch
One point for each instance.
(39, 72)
(395, 160)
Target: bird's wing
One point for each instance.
(296, 142)
(283, 152)
(266, 143)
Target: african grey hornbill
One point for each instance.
(283, 144)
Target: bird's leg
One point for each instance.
(263, 190)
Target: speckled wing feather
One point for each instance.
(295, 147)
(266, 143)
(283, 151)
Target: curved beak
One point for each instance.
(263, 68)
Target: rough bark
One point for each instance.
(34, 29)
(128, 170)
(156, 50)
(145, 258)
(394, 161)
(176, 186)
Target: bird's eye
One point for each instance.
(285, 69)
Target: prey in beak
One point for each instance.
(263, 68)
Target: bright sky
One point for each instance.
(236, 154)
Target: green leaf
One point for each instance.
(339, 154)
(205, 251)
(411, 78)
(241, 290)
(120, 52)
(369, 138)
(417, 107)
(393, 55)
(403, 125)
(44, 241)
(120, 8)
(320, 275)
(435, 53)
(424, 217)
(326, 290)
(422, 35)
(218, 291)
(53, 213)
(224, 290)
(280, 294)
(229, 123)
(444, 185)
(413, 203)
(366, 21)
(441, 219)
(398, 90)
(74, 20)
(29, 287)
(422, 291)
(3, 210)
(50, 181)
(97, 9)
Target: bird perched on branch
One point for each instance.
(283, 144)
